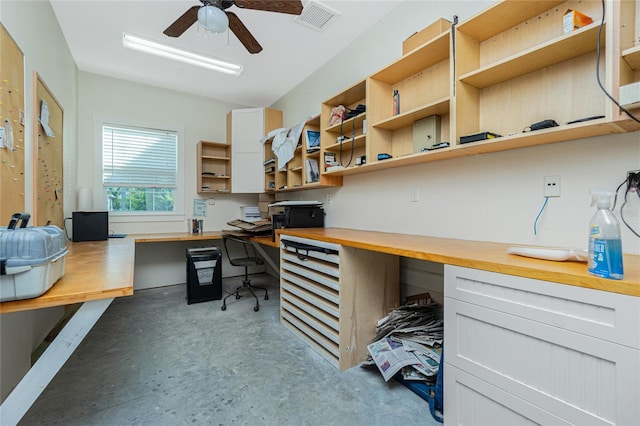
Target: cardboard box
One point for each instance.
(421, 37)
(574, 19)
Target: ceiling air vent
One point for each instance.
(316, 15)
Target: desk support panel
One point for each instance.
(47, 366)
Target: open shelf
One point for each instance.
(439, 107)
(214, 167)
(552, 52)
(632, 57)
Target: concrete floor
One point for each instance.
(152, 359)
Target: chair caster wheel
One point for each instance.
(224, 308)
(256, 308)
(266, 297)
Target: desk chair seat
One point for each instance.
(250, 259)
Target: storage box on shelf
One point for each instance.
(418, 39)
(515, 66)
(214, 167)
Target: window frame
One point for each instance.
(100, 192)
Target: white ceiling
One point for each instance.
(291, 51)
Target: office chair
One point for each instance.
(249, 259)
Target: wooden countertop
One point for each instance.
(186, 236)
(93, 270)
(175, 236)
(476, 254)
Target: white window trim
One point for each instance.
(99, 192)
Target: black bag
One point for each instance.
(354, 112)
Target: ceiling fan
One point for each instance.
(213, 16)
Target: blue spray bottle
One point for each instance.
(605, 242)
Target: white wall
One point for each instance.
(29, 23)
(197, 118)
(492, 197)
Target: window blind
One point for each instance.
(139, 157)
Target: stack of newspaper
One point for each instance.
(409, 340)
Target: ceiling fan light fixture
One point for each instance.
(147, 46)
(213, 19)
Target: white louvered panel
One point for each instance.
(577, 377)
(313, 344)
(331, 258)
(608, 316)
(471, 401)
(311, 310)
(325, 280)
(312, 264)
(322, 303)
(310, 285)
(312, 334)
(311, 321)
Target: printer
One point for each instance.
(296, 214)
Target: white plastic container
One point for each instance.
(31, 260)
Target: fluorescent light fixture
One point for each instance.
(147, 46)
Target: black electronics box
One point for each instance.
(298, 217)
(478, 137)
(90, 226)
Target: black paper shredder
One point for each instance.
(204, 274)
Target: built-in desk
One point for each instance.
(206, 236)
(477, 255)
(202, 236)
(95, 273)
(94, 270)
(527, 341)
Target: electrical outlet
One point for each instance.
(212, 201)
(329, 198)
(551, 186)
(414, 194)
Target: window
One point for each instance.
(139, 168)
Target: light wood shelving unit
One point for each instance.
(500, 71)
(294, 176)
(629, 32)
(214, 167)
(354, 129)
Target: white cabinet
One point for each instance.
(524, 351)
(245, 128)
(331, 296)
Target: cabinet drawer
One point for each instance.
(318, 288)
(314, 265)
(608, 316)
(579, 378)
(471, 401)
(309, 309)
(325, 347)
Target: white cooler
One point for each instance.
(31, 261)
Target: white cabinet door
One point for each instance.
(538, 349)
(247, 128)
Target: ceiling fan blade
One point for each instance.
(243, 34)
(183, 23)
(292, 7)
